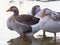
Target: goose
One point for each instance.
(23, 24)
(35, 9)
(49, 22)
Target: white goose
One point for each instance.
(49, 22)
(23, 24)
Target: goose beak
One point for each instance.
(8, 10)
(43, 15)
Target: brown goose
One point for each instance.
(22, 24)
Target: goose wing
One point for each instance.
(56, 17)
(27, 19)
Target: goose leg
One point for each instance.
(55, 36)
(23, 35)
(44, 36)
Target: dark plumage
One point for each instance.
(27, 19)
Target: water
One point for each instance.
(8, 37)
(32, 41)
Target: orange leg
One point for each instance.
(23, 35)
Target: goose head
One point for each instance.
(13, 9)
(35, 9)
(46, 12)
